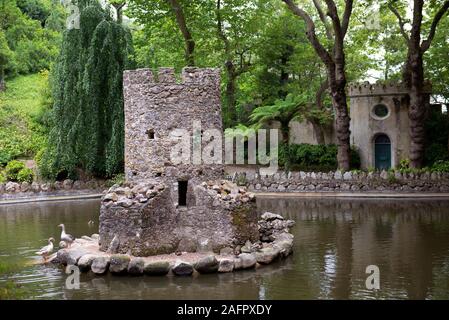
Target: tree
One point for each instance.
(334, 60)
(167, 21)
(287, 63)
(239, 24)
(188, 39)
(233, 70)
(88, 97)
(285, 110)
(118, 5)
(413, 72)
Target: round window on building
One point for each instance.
(380, 111)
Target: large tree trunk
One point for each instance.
(230, 93)
(119, 10)
(188, 39)
(418, 111)
(334, 61)
(285, 132)
(413, 75)
(342, 121)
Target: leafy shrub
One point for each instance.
(13, 168)
(116, 179)
(309, 157)
(441, 166)
(436, 152)
(25, 175)
(2, 177)
(404, 166)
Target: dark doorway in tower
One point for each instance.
(182, 193)
(382, 152)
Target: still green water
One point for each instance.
(335, 240)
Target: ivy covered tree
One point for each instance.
(88, 114)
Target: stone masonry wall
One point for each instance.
(12, 190)
(346, 182)
(157, 104)
(143, 220)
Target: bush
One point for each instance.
(116, 179)
(25, 175)
(436, 152)
(441, 166)
(13, 168)
(309, 157)
(2, 177)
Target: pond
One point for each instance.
(335, 240)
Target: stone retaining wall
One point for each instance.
(144, 219)
(345, 182)
(276, 242)
(13, 189)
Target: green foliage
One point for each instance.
(30, 46)
(391, 177)
(2, 177)
(309, 157)
(87, 115)
(441, 166)
(404, 165)
(118, 179)
(25, 175)
(284, 111)
(13, 168)
(437, 132)
(22, 133)
(35, 9)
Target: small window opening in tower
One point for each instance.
(150, 133)
(182, 193)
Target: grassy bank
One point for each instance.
(23, 117)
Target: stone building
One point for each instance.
(165, 206)
(380, 123)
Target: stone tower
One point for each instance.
(380, 123)
(156, 105)
(166, 206)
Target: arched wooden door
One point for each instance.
(382, 152)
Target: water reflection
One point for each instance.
(335, 240)
(408, 240)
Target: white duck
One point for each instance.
(47, 250)
(67, 238)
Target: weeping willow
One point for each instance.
(88, 116)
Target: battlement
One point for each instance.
(189, 75)
(381, 89)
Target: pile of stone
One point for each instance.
(127, 195)
(228, 191)
(272, 225)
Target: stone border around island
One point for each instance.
(276, 244)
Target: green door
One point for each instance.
(382, 152)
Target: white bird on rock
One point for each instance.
(47, 250)
(67, 238)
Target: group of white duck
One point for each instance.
(48, 249)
